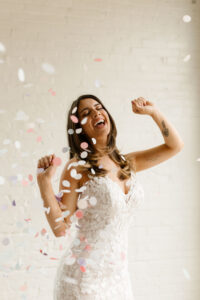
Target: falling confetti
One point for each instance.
(79, 214)
(84, 121)
(84, 154)
(78, 130)
(2, 47)
(186, 19)
(17, 144)
(84, 145)
(21, 116)
(97, 59)
(21, 75)
(39, 139)
(5, 241)
(93, 200)
(70, 131)
(74, 110)
(94, 140)
(30, 177)
(57, 161)
(65, 149)
(74, 174)
(48, 68)
(66, 183)
(187, 57)
(2, 180)
(13, 203)
(74, 119)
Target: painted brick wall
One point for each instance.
(50, 53)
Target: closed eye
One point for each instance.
(85, 114)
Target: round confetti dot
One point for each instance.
(84, 145)
(83, 269)
(94, 140)
(43, 231)
(30, 177)
(21, 75)
(82, 204)
(66, 183)
(78, 130)
(74, 110)
(57, 161)
(84, 120)
(39, 138)
(19, 176)
(93, 200)
(76, 242)
(70, 131)
(2, 180)
(87, 247)
(2, 47)
(84, 154)
(81, 261)
(187, 18)
(65, 149)
(13, 203)
(74, 119)
(17, 144)
(48, 68)
(5, 241)
(79, 214)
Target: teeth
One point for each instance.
(100, 121)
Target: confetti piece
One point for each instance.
(186, 274)
(94, 140)
(30, 130)
(37, 234)
(93, 200)
(13, 203)
(84, 145)
(21, 75)
(57, 161)
(19, 176)
(5, 241)
(87, 247)
(40, 170)
(82, 204)
(43, 231)
(74, 174)
(74, 110)
(93, 171)
(2, 47)
(187, 19)
(187, 57)
(65, 149)
(97, 59)
(84, 154)
(81, 261)
(2, 180)
(27, 220)
(25, 182)
(17, 144)
(23, 287)
(39, 139)
(74, 119)
(53, 258)
(79, 214)
(70, 131)
(21, 116)
(78, 130)
(83, 269)
(47, 209)
(84, 120)
(48, 68)
(66, 183)
(30, 177)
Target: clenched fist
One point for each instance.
(46, 168)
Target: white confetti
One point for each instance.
(48, 68)
(21, 75)
(94, 140)
(83, 188)
(186, 274)
(17, 144)
(84, 154)
(81, 162)
(78, 130)
(74, 110)
(66, 183)
(84, 120)
(93, 200)
(97, 83)
(19, 176)
(2, 180)
(2, 47)
(93, 171)
(74, 174)
(47, 209)
(70, 131)
(82, 204)
(21, 116)
(186, 19)
(40, 170)
(187, 57)
(6, 142)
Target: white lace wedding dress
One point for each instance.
(95, 266)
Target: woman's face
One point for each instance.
(94, 111)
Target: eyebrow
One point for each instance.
(88, 108)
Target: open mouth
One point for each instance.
(100, 124)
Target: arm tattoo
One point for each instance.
(165, 131)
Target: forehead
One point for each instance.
(87, 102)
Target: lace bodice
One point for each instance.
(95, 265)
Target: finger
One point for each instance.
(46, 161)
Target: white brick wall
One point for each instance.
(142, 45)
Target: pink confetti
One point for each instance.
(97, 59)
(60, 247)
(82, 268)
(53, 258)
(30, 130)
(84, 145)
(88, 247)
(24, 182)
(37, 234)
(74, 119)
(43, 231)
(30, 177)
(23, 287)
(57, 161)
(39, 139)
(27, 220)
(79, 214)
(53, 93)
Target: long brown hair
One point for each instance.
(75, 139)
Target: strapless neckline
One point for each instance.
(106, 177)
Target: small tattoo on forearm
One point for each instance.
(165, 131)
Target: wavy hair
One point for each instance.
(91, 161)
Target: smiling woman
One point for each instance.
(89, 109)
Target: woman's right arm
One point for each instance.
(48, 196)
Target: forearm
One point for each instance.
(170, 134)
(49, 200)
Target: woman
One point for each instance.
(99, 194)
